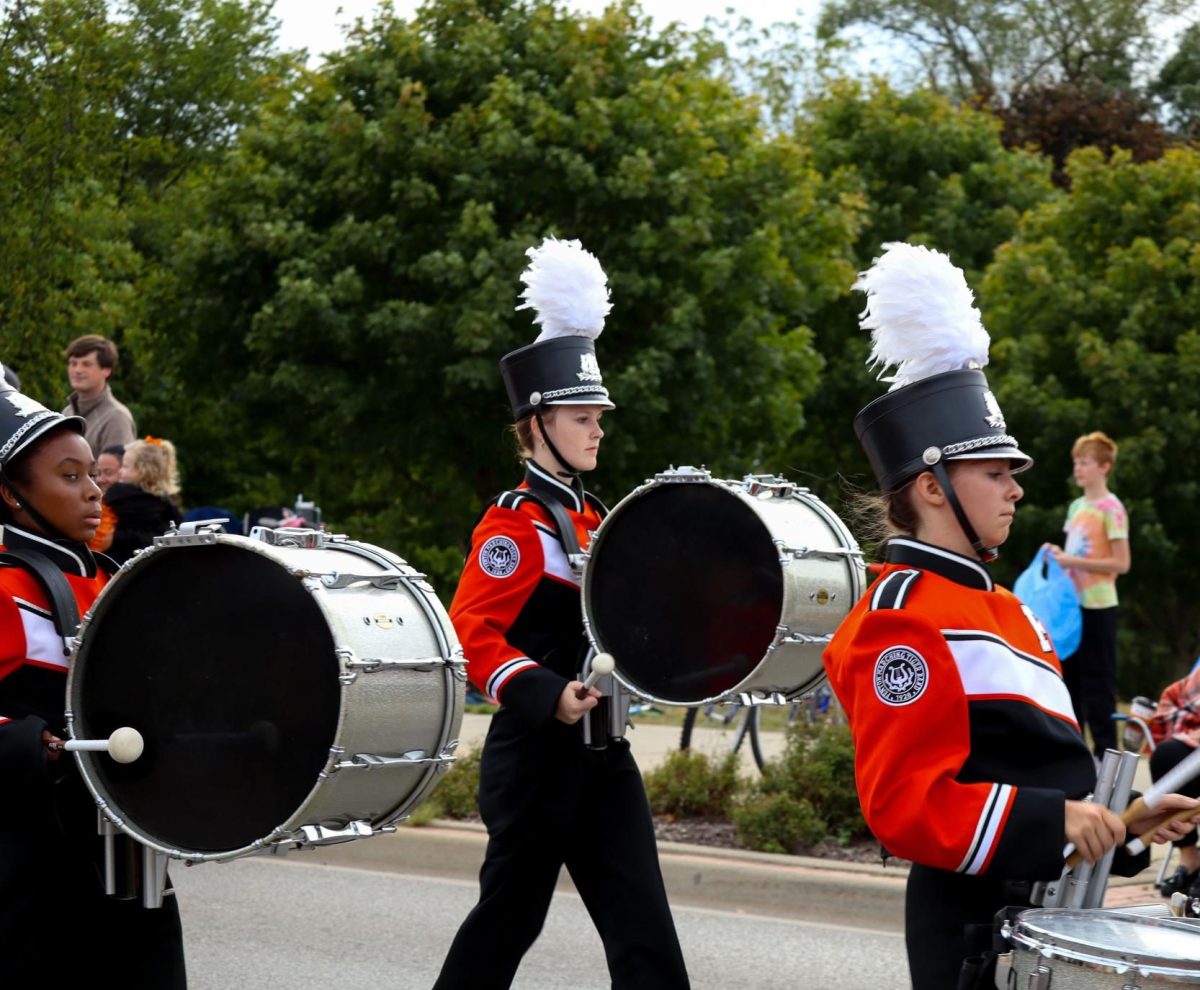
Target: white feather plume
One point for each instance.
(567, 289)
(921, 314)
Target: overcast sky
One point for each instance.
(317, 24)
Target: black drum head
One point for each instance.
(685, 590)
(226, 665)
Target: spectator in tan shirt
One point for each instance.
(91, 360)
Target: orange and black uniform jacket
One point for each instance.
(33, 658)
(517, 610)
(966, 745)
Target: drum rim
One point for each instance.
(1091, 955)
(437, 620)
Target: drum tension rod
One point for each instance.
(413, 758)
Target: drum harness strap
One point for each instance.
(562, 522)
(63, 608)
(596, 735)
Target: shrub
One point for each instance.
(777, 823)
(454, 796)
(817, 766)
(690, 784)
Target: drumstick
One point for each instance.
(125, 745)
(602, 665)
(1178, 775)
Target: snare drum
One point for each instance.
(705, 590)
(1064, 949)
(291, 690)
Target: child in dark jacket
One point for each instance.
(145, 499)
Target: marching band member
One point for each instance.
(968, 757)
(51, 871)
(546, 798)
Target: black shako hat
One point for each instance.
(568, 291)
(22, 421)
(924, 323)
(951, 416)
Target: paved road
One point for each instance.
(261, 924)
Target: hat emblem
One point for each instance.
(994, 418)
(23, 405)
(589, 368)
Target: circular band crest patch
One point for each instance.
(499, 557)
(901, 676)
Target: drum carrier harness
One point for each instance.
(609, 719)
(131, 871)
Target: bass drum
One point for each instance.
(294, 689)
(706, 590)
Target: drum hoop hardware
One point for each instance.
(320, 835)
(685, 474)
(334, 580)
(785, 636)
(804, 553)
(353, 664)
(413, 758)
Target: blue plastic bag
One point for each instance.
(1050, 594)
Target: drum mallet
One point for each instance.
(602, 666)
(125, 745)
(1180, 774)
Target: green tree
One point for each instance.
(930, 173)
(1178, 84)
(980, 48)
(1092, 308)
(103, 108)
(355, 283)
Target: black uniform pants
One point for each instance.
(58, 928)
(950, 918)
(1090, 674)
(549, 802)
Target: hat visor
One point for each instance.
(1020, 461)
(593, 399)
(44, 424)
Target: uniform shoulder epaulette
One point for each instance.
(893, 590)
(509, 500)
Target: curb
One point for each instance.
(799, 887)
(802, 888)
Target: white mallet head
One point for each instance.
(125, 744)
(602, 664)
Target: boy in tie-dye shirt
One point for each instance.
(1096, 551)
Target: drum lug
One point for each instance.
(803, 553)
(413, 758)
(683, 473)
(784, 636)
(770, 484)
(319, 835)
(385, 580)
(370, 665)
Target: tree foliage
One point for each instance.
(1092, 307)
(930, 173)
(1178, 85)
(1057, 118)
(103, 108)
(354, 284)
(980, 48)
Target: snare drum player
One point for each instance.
(52, 899)
(968, 758)
(546, 798)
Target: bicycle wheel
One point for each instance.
(689, 723)
(749, 724)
